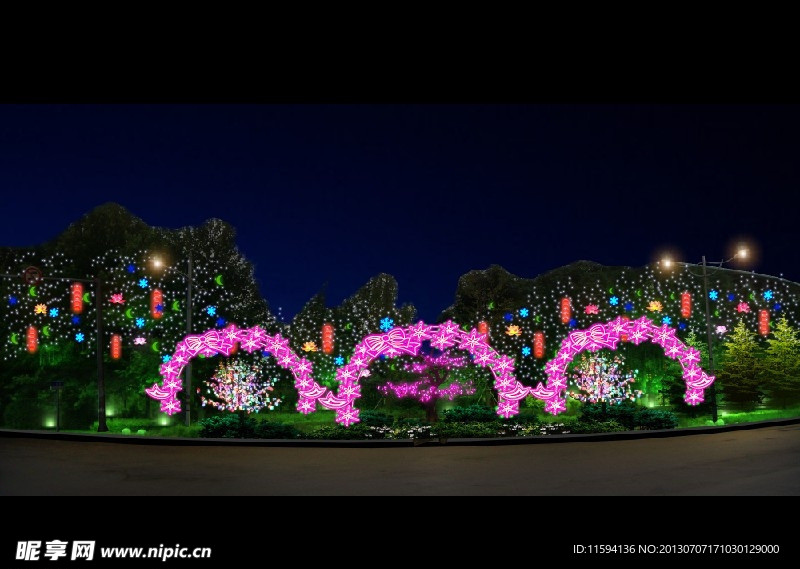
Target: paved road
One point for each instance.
(756, 462)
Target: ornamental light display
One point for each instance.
(630, 293)
(56, 309)
(602, 378)
(538, 345)
(148, 302)
(434, 380)
(763, 322)
(240, 386)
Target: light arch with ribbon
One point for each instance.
(608, 335)
(215, 342)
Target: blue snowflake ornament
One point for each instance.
(713, 295)
(508, 316)
(79, 337)
(54, 312)
(143, 283)
(131, 268)
(220, 322)
(526, 351)
(211, 310)
(165, 358)
(523, 312)
(140, 322)
(613, 301)
(76, 320)
(666, 320)
(628, 306)
(387, 324)
(338, 360)
(731, 297)
(767, 295)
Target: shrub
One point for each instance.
(653, 419)
(375, 418)
(629, 415)
(583, 427)
(275, 430)
(471, 430)
(471, 414)
(227, 427)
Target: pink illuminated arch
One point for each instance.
(398, 341)
(223, 341)
(608, 335)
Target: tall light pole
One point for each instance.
(188, 369)
(740, 254)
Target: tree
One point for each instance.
(433, 372)
(742, 376)
(783, 362)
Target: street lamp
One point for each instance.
(157, 263)
(741, 253)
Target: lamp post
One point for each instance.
(740, 254)
(188, 375)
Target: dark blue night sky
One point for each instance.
(339, 193)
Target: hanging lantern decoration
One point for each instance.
(483, 328)
(538, 345)
(566, 311)
(624, 337)
(77, 298)
(33, 340)
(763, 322)
(234, 349)
(156, 304)
(116, 346)
(327, 338)
(686, 305)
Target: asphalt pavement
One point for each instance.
(763, 461)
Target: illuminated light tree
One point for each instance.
(602, 378)
(240, 386)
(433, 372)
(783, 362)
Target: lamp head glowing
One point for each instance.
(667, 263)
(742, 253)
(157, 263)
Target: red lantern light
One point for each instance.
(77, 298)
(686, 305)
(327, 338)
(116, 346)
(33, 340)
(624, 337)
(538, 345)
(763, 322)
(566, 311)
(234, 349)
(156, 304)
(483, 328)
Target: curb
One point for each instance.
(548, 439)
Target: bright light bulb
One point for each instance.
(742, 253)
